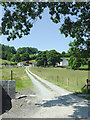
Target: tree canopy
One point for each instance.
(28, 50)
(21, 54)
(48, 58)
(19, 18)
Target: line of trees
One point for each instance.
(44, 58)
(21, 54)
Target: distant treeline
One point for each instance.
(43, 58)
(21, 54)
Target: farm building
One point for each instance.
(63, 63)
(20, 64)
(32, 64)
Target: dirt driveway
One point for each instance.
(47, 101)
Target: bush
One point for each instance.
(26, 64)
(11, 63)
(5, 63)
(33, 57)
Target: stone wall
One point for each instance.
(9, 87)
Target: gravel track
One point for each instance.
(46, 101)
(57, 102)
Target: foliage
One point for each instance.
(25, 56)
(5, 63)
(26, 64)
(17, 57)
(33, 57)
(7, 52)
(75, 15)
(77, 57)
(22, 16)
(28, 50)
(75, 62)
(42, 58)
(11, 54)
(64, 54)
(53, 57)
(49, 58)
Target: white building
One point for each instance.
(32, 64)
(20, 64)
(63, 63)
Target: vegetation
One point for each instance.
(77, 57)
(43, 58)
(22, 16)
(53, 57)
(21, 54)
(22, 80)
(72, 80)
(25, 57)
(48, 58)
(28, 50)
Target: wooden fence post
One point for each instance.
(62, 80)
(87, 86)
(67, 81)
(57, 78)
(11, 75)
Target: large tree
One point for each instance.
(53, 57)
(25, 57)
(49, 58)
(42, 58)
(77, 57)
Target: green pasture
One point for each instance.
(22, 80)
(3, 61)
(72, 80)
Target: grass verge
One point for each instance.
(72, 80)
(22, 80)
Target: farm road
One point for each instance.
(56, 102)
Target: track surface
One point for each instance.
(49, 101)
(56, 102)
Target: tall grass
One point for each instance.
(72, 80)
(22, 80)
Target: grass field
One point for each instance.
(3, 61)
(72, 80)
(22, 80)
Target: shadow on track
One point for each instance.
(79, 105)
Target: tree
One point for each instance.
(42, 58)
(25, 57)
(23, 16)
(9, 56)
(17, 57)
(63, 54)
(28, 50)
(77, 57)
(33, 57)
(74, 62)
(7, 52)
(13, 59)
(53, 57)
